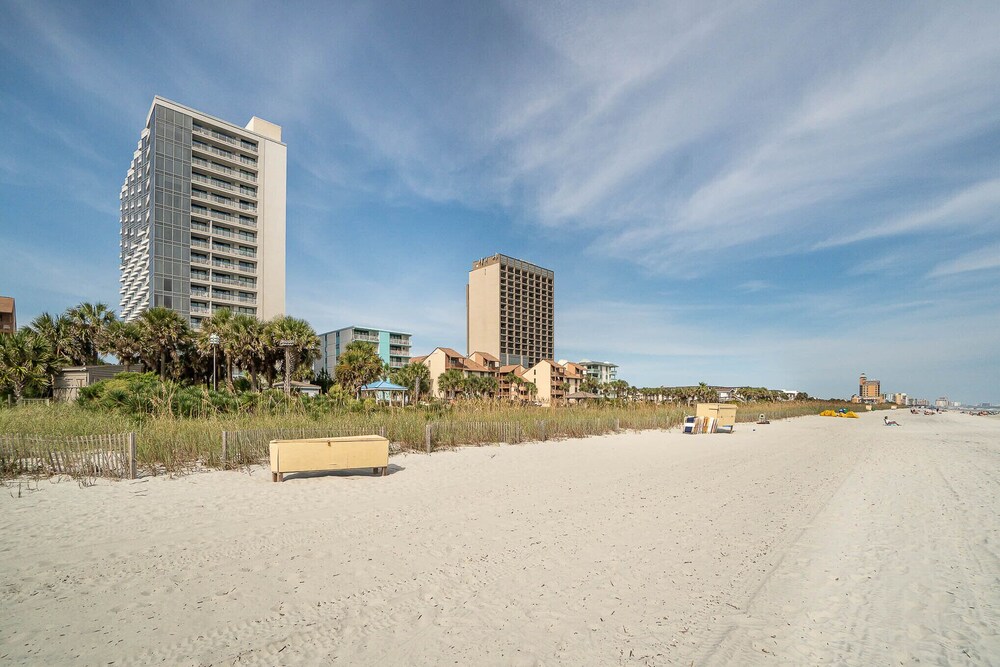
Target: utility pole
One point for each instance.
(214, 341)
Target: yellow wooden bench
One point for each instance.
(318, 454)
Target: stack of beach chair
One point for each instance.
(711, 418)
(695, 425)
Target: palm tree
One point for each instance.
(532, 389)
(305, 342)
(451, 382)
(123, 340)
(358, 365)
(251, 351)
(414, 376)
(25, 360)
(54, 332)
(705, 394)
(162, 331)
(220, 323)
(86, 322)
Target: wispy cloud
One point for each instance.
(978, 204)
(977, 260)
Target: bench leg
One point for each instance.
(374, 471)
(384, 468)
(274, 477)
(281, 477)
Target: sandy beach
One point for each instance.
(807, 541)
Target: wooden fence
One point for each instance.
(111, 455)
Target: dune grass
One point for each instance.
(167, 443)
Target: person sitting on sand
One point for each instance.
(890, 422)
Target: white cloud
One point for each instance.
(976, 204)
(977, 260)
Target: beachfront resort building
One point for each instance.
(546, 382)
(601, 371)
(869, 391)
(392, 346)
(510, 310)
(550, 379)
(444, 359)
(8, 315)
(203, 216)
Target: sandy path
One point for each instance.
(804, 541)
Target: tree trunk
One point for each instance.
(163, 364)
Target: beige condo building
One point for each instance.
(550, 380)
(510, 310)
(8, 315)
(203, 216)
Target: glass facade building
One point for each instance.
(203, 217)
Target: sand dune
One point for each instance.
(806, 541)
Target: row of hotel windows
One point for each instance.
(222, 136)
(221, 152)
(200, 258)
(248, 283)
(223, 184)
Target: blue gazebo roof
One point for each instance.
(383, 385)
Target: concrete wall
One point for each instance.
(483, 310)
(271, 226)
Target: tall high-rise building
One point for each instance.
(510, 306)
(203, 216)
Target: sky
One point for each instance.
(769, 194)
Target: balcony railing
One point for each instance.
(223, 137)
(233, 297)
(246, 284)
(214, 182)
(243, 236)
(199, 260)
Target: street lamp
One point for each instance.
(214, 341)
(288, 345)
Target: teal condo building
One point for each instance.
(392, 346)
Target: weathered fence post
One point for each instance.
(132, 467)
(427, 437)
(618, 424)
(541, 427)
(225, 447)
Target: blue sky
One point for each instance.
(780, 194)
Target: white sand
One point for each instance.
(802, 542)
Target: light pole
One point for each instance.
(288, 345)
(214, 341)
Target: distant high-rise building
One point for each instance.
(8, 315)
(869, 391)
(392, 346)
(203, 216)
(510, 308)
